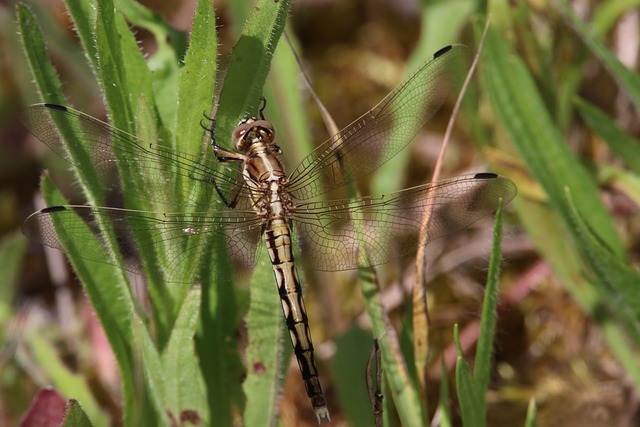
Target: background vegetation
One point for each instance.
(554, 107)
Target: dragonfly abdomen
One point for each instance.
(278, 238)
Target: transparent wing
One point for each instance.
(177, 240)
(379, 134)
(171, 178)
(390, 224)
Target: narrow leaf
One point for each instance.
(154, 374)
(45, 76)
(184, 386)
(109, 295)
(471, 400)
(112, 75)
(264, 356)
(531, 414)
(250, 63)
(405, 396)
(197, 79)
(484, 351)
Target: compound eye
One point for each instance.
(265, 125)
(239, 132)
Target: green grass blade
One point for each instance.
(197, 80)
(250, 63)
(83, 14)
(164, 298)
(403, 392)
(184, 386)
(171, 47)
(127, 85)
(626, 147)
(434, 35)
(484, 351)
(154, 375)
(472, 387)
(45, 76)
(285, 106)
(627, 78)
(109, 295)
(266, 363)
(137, 74)
(112, 75)
(472, 406)
(217, 341)
(531, 414)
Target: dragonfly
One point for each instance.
(260, 201)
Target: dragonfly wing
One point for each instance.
(389, 225)
(171, 178)
(178, 241)
(380, 133)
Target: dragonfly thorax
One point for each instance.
(252, 131)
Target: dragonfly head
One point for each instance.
(251, 131)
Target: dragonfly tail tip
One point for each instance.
(322, 413)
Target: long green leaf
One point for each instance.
(285, 105)
(154, 375)
(184, 386)
(164, 62)
(250, 63)
(112, 71)
(110, 297)
(197, 80)
(531, 414)
(46, 77)
(217, 341)
(265, 359)
(83, 14)
(472, 405)
(403, 391)
(484, 351)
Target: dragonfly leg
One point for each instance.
(261, 110)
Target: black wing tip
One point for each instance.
(56, 107)
(51, 209)
(442, 51)
(486, 175)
